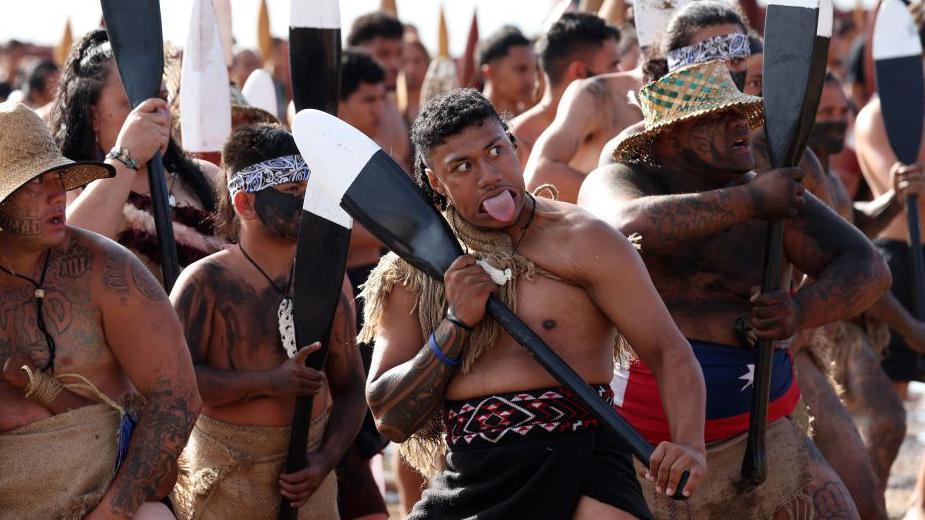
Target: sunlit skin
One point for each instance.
(389, 54)
(511, 79)
(528, 126)
(363, 108)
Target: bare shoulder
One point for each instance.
(579, 230)
(870, 118)
(205, 272)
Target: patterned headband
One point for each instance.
(724, 47)
(272, 172)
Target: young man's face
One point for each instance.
(34, 214)
(363, 108)
(388, 54)
(477, 170)
(513, 76)
(605, 59)
(275, 211)
(831, 123)
(717, 143)
(416, 63)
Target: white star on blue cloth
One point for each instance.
(748, 377)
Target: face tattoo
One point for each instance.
(280, 212)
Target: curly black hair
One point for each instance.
(442, 117)
(571, 35)
(357, 67)
(370, 26)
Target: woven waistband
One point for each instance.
(517, 416)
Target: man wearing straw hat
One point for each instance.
(97, 392)
(684, 183)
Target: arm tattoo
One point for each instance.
(146, 283)
(114, 271)
(405, 395)
(162, 432)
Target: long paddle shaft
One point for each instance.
(796, 46)
(321, 255)
(134, 29)
(918, 262)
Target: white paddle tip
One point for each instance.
(895, 35)
(260, 91)
(317, 14)
(826, 17)
(336, 153)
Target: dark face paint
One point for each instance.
(280, 212)
(739, 79)
(828, 136)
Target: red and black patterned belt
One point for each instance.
(517, 416)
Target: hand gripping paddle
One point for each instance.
(350, 172)
(324, 236)
(794, 68)
(134, 29)
(897, 53)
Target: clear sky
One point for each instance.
(42, 21)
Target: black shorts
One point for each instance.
(533, 469)
(900, 362)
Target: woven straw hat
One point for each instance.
(681, 95)
(27, 150)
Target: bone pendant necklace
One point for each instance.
(284, 312)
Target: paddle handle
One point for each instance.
(570, 379)
(163, 222)
(755, 462)
(915, 248)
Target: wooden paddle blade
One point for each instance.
(816, 80)
(205, 113)
(260, 91)
(314, 54)
(897, 53)
(134, 29)
(790, 36)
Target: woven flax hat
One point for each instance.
(27, 150)
(687, 93)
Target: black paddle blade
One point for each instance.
(134, 29)
(314, 54)
(816, 80)
(897, 53)
(368, 184)
(790, 36)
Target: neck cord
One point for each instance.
(39, 315)
(527, 225)
(283, 293)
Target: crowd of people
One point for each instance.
(615, 196)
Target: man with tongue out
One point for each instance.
(518, 445)
(685, 184)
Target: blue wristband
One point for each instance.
(432, 341)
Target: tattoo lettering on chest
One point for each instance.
(76, 261)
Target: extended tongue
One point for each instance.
(500, 207)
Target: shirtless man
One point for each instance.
(249, 374)
(84, 329)
(381, 35)
(508, 67)
(688, 190)
(705, 30)
(457, 361)
(577, 46)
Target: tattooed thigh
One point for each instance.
(831, 499)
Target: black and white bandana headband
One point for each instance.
(724, 47)
(272, 172)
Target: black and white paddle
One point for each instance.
(324, 232)
(897, 52)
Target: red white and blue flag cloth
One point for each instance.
(729, 375)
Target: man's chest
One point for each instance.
(64, 320)
(246, 333)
